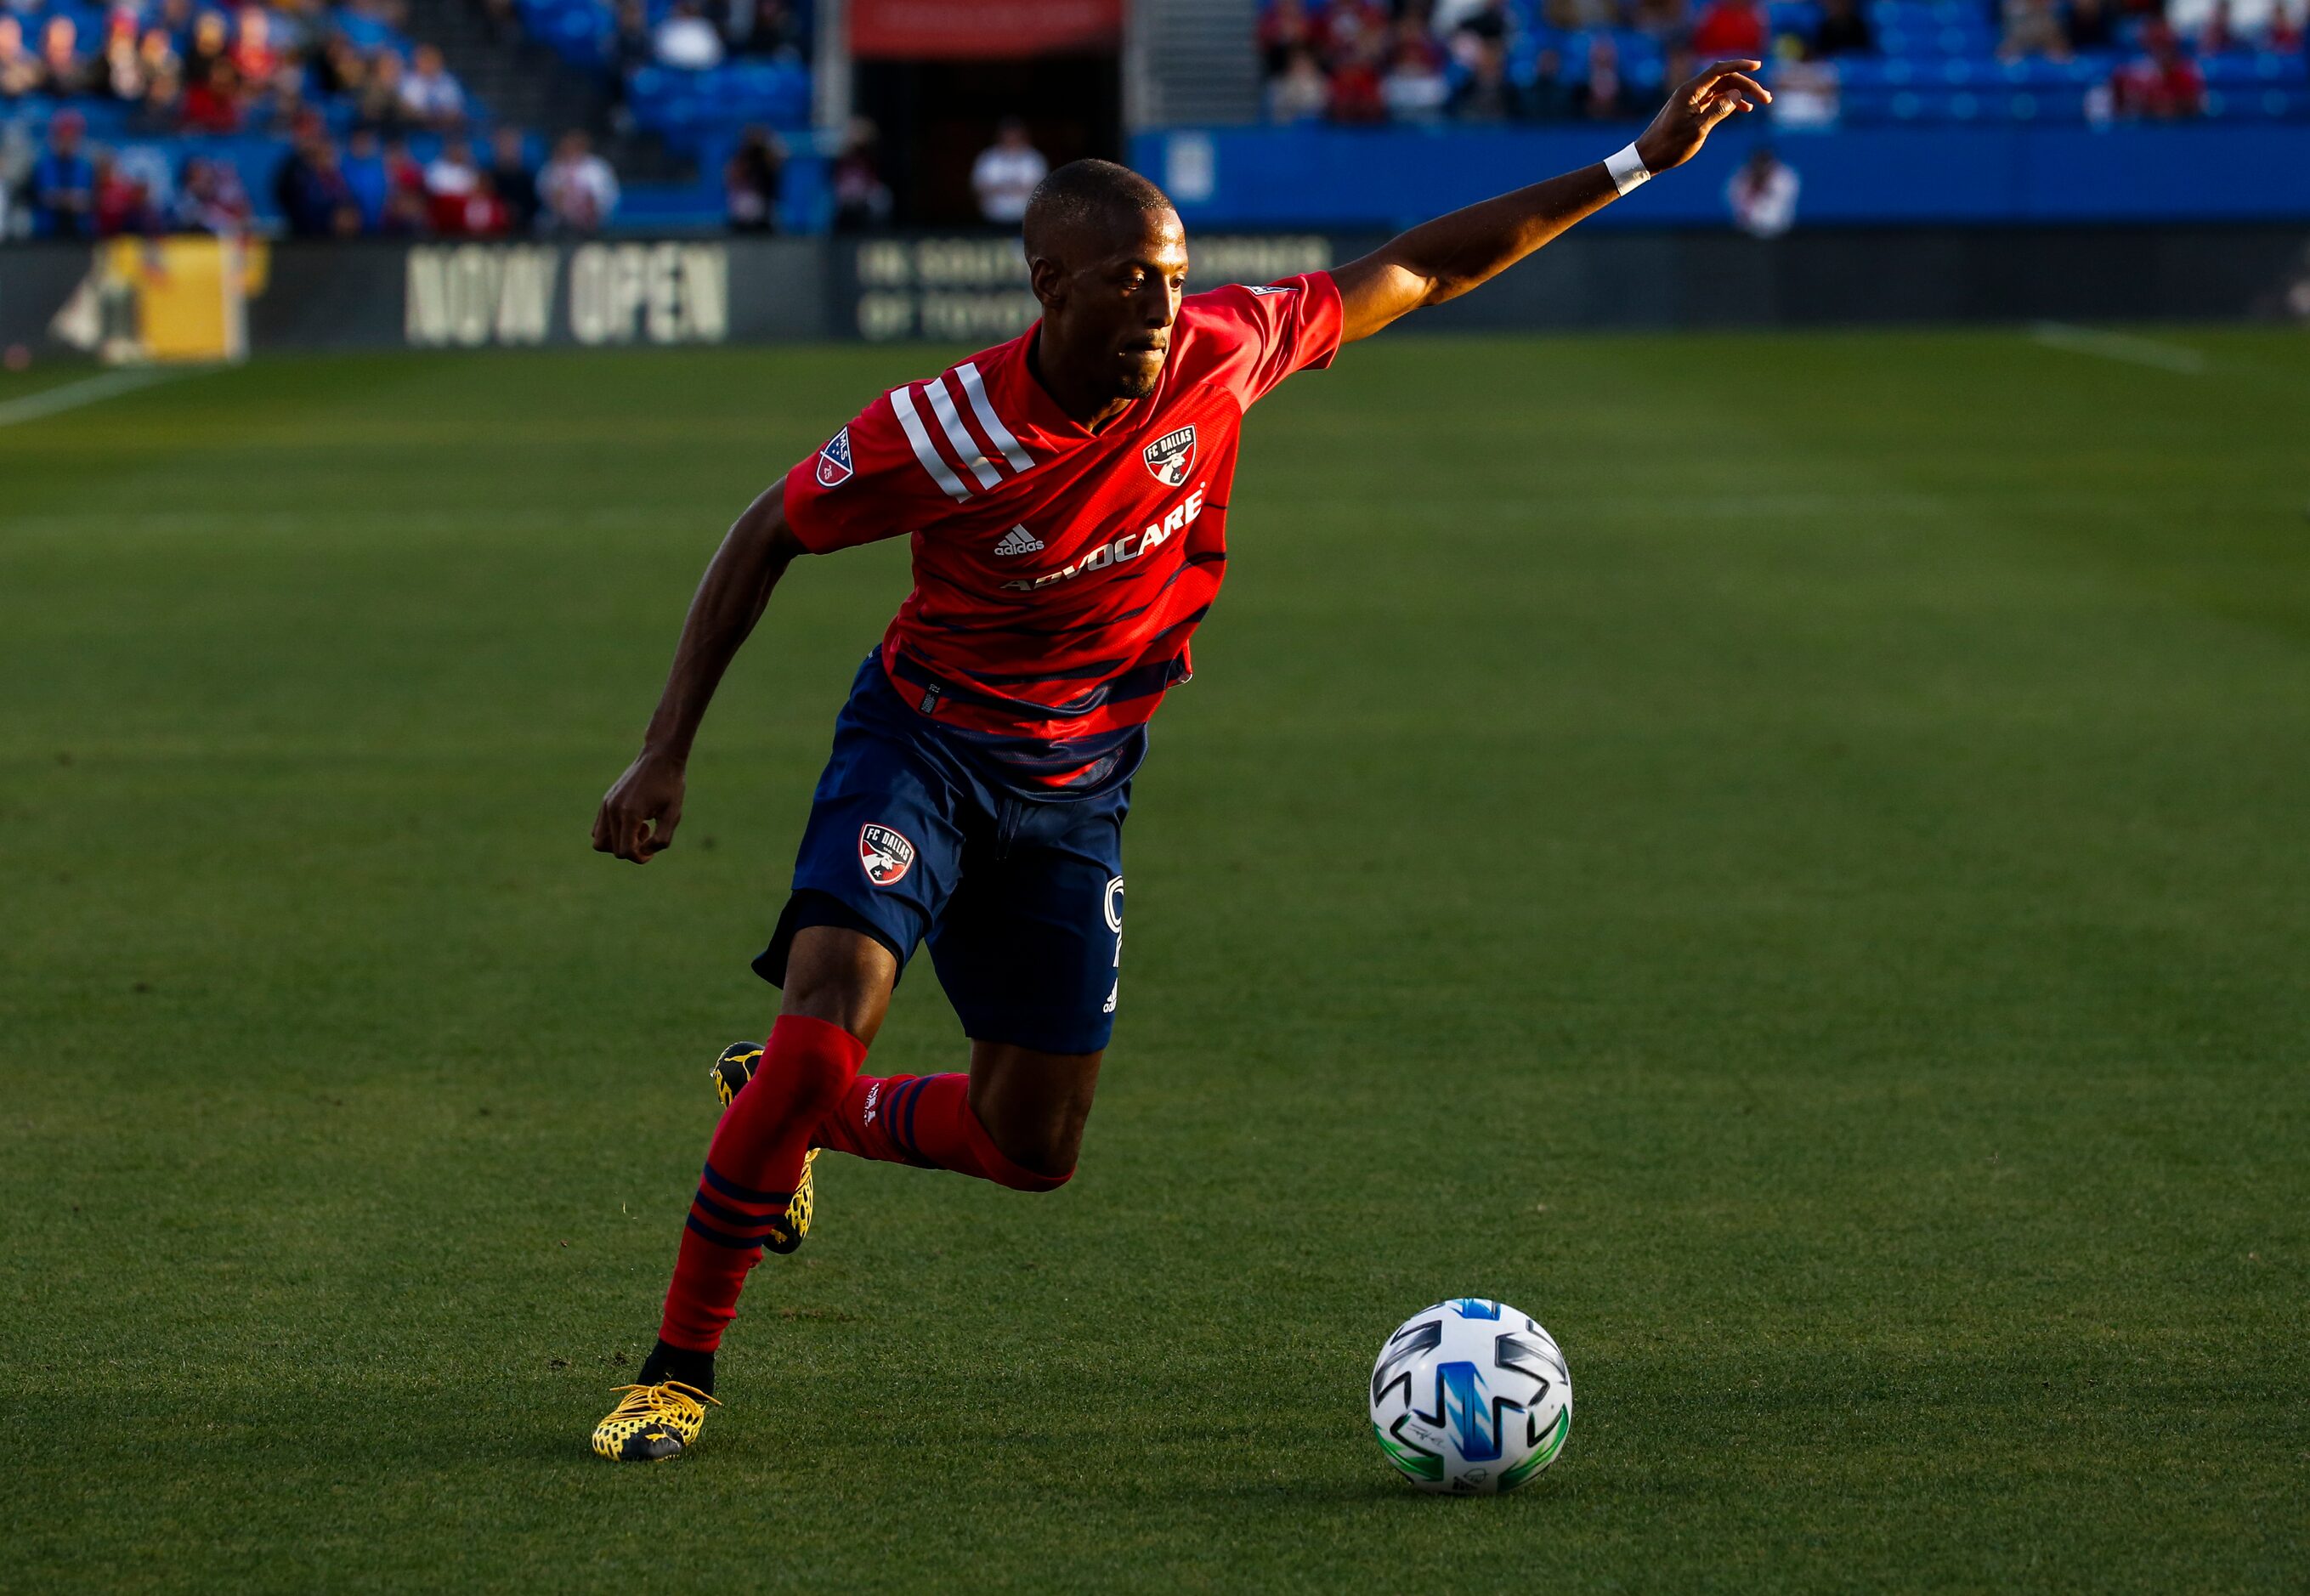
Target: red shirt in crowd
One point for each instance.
(1733, 28)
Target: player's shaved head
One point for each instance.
(1108, 261)
(1089, 208)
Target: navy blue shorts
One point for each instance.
(913, 838)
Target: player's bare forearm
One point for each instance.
(729, 602)
(1443, 259)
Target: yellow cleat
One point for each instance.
(730, 1074)
(655, 1423)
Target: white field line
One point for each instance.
(72, 395)
(2121, 346)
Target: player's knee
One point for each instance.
(1046, 1153)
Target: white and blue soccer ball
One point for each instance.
(1472, 1397)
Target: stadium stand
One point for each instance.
(345, 117)
(1832, 60)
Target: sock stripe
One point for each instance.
(720, 1240)
(902, 1115)
(731, 1189)
(731, 1216)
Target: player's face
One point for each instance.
(1123, 304)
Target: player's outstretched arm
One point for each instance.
(1443, 259)
(728, 602)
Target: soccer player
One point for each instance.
(1066, 494)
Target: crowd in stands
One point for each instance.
(190, 66)
(1490, 61)
(372, 134)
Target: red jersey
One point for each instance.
(1059, 573)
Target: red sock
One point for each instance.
(924, 1120)
(751, 1168)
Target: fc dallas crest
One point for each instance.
(884, 855)
(1171, 456)
(834, 461)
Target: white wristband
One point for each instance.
(1627, 169)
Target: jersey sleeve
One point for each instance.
(1271, 332)
(867, 482)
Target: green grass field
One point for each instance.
(1784, 858)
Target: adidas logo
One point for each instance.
(1017, 541)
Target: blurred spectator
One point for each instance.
(2088, 26)
(1358, 94)
(213, 103)
(751, 179)
(19, 68)
(430, 95)
(578, 189)
(1286, 30)
(629, 38)
(1577, 16)
(686, 40)
(363, 166)
(406, 208)
(1487, 21)
(759, 27)
(1663, 20)
(1763, 195)
(515, 184)
(481, 214)
(1602, 96)
(340, 69)
(1549, 96)
(310, 189)
(1414, 87)
(1488, 94)
(2033, 27)
(380, 104)
(210, 198)
(862, 200)
(1005, 174)
(1300, 92)
(253, 55)
(208, 47)
(62, 66)
(2283, 34)
(1843, 30)
(63, 183)
(1349, 25)
(1730, 28)
(2163, 84)
(124, 202)
(120, 72)
(2215, 36)
(450, 180)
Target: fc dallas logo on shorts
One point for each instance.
(834, 461)
(884, 855)
(1171, 456)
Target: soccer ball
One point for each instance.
(1470, 1396)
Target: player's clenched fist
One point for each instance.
(1694, 110)
(650, 794)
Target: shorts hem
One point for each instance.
(807, 906)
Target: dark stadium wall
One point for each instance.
(969, 289)
(935, 116)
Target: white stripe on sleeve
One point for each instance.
(997, 433)
(966, 448)
(903, 401)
